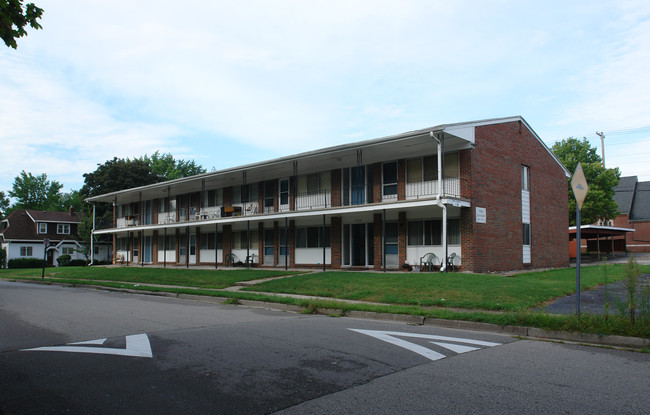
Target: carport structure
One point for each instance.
(608, 239)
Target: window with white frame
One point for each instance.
(63, 228)
(25, 251)
(42, 228)
(525, 178)
(391, 239)
(67, 250)
(389, 179)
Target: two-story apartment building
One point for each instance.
(24, 232)
(487, 194)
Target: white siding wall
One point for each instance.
(525, 218)
(207, 255)
(313, 256)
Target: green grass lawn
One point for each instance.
(168, 276)
(474, 291)
(406, 293)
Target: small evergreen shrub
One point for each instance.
(64, 260)
(78, 263)
(25, 263)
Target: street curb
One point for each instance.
(605, 340)
(371, 315)
(477, 326)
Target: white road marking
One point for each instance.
(98, 341)
(137, 345)
(391, 337)
(456, 347)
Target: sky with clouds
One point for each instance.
(231, 83)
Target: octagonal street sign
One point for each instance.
(579, 186)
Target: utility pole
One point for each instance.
(602, 145)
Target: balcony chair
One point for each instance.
(428, 261)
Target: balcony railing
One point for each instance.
(429, 188)
(303, 201)
(320, 200)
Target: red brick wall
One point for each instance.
(336, 187)
(639, 240)
(377, 243)
(376, 184)
(495, 184)
(335, 240)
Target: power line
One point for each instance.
(620, 131)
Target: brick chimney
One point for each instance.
(71, 211)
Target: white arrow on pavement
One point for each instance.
(137, 345)
(392, 337)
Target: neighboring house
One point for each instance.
(633, 199)
(23, 233)
(489, 194)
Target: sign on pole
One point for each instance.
(579, 186)
(580, 189)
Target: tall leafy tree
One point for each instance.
(599, 203)
(4, 204)
(72, 200)
(14, 17)
(117, 174)
(36, 192)
(167, 168)
(111, 176)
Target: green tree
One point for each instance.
(74, 200)
(599, 203)
(36, 192)
(4, 204)
(114, 175)
(14, 17)
(167, 168)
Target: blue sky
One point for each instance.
(230, 83)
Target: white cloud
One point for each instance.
(220, 81)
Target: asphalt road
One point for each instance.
(122, 353)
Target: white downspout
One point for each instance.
(443, 261)
(92, 239)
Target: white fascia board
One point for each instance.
(30, 216)
(602, 228)
(336, 211)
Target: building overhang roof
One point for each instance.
(458, 136)
(596, 231)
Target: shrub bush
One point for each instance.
(78, 263)
(25, 263)
(64, 260)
